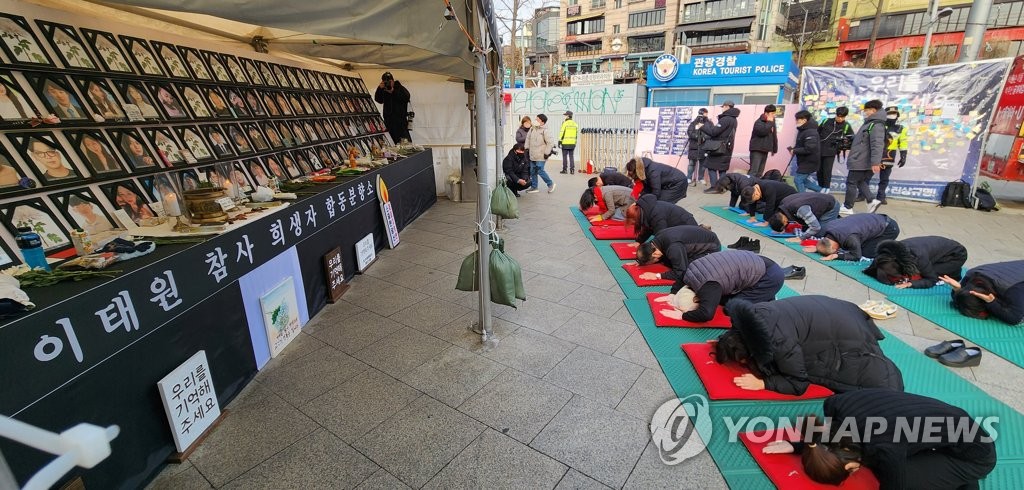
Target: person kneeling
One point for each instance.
(917, 262)
(611, 200)
(676, 247)
(719, 277)
(790, 343)
(516, 168)
(991, 290)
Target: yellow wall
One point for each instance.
(859, 9)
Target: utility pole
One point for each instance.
(933, 16)
(874, 34)
(974, 34)
(803, 32)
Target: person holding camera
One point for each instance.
(693, 152)
(836, 136)
(395, 99)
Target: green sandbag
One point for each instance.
(503, 279)
(467, 273)
(503, 202)
(520, 289)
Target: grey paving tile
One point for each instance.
(430, 314)
(651, 472)
(352, 409)
(596, 440)
(516, 404)
(382, 480)
(401, 351)
(302, 346)
(387, 266)
(434, 258)
(319, 460)
(414, 276)
(540, 315)
(549, 288)
(622, 314)
(453, 375)
(313, 375)
(356, 332)
(547, 265)
(390, 299)
(649, 392)
(497, 461)
(597, 301)
(530, 352)
(597, 376)
(234, 447)
(596, 332)
(444, 288)
(419, 440)
(594, 274)
(574, 480)
(462, 331)
(636, 350)
(332, 314)
(183, 476)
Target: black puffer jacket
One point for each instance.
(916, 258)
(515, 167)
(724, 131)
(659, 178)
(681, 245)
(797, 341)
(734, 183)
(763, 137)
(695, 137)
(772, 194)
(656, 216)
(616, 178)
(807, 148)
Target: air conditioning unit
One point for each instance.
(683, 54)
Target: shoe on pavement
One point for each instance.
(742, 242)
(572, 172)
(794, 272)
(962, 357)
(873, 206)
(845, 211)
(552, 188)
(944, 348)
(533, 190)
(884, 201)
(563, 172)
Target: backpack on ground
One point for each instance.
(956, 194)
(983, 200)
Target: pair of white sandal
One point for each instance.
(879, 310)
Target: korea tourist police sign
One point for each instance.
(723, 69)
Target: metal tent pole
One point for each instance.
(974, 35)
(499, 172)
(483, 215)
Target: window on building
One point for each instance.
(615, 29)
(618, 4)
(589, 26)
(677, 97)
(842, 9)
(574, 2)
(647, 18)
(597, 4)
(583, 49)
(1002, 49)
(718, 9)
(710, 38)
(646, 44)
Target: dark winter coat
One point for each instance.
(659, 178)
(772, 194)
(681, 245)
(868, 145)
(396, 103)
(733, 270)
(616, 178)
(724, 131)
(830, 133)
(807, 148)
(695, 137)
(515, 167)
(852, 231)
(916, 258)
(763, 138)
(1008, 279)
(735, 184)
(796, 341)
(521, 135)
(819, 204)
(656, 216)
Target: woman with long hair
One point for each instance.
(524, 129)
(991, 290)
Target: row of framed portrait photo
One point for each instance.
(137, 100)
(100, 154)
(127, 54)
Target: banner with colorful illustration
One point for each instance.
(1004, 151)
(946, 110)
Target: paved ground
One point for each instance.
(389, 389)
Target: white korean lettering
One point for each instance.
(362, 192)
(311, 216)
(57, 345)
(295, 223)
(244, 250)
(277, 233)
(119, 313)
(329, 204)
(341, 201)
(218, 269)
(352, 196)
(730, 61)
(165, 290)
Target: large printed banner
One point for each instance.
(1004, 151)
(662, 134)
(946, 110)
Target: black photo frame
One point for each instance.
(301, 161)
(255, 135)
(12, 176)
(134, 149)
(110, 54)
(236, 70)
(68, 45)
(272, 136)
(174, 65)
(219, 143)
(19, 43)
(217, 102)
(95, 152)
(194, 141)
(193, 98)
(298, 133)
(135, 93)
(20, 107)
(236, 103)
(83, 210)
(142, 55)
(188, 180)
(218, 67)
(311, 135)
(252, 72)
(252, 101)
(286, 134)
(100, 98)
(273, 165)
(296, 103)
(279, 75)
(166, 98)
(268, 77)
(126, 195)
(195, 63)
(168, 150)
(236, 135)
(36, 148)
(35, 214)
(58, 95)
(240, 176)
(162, 188)
(288, 163)
(268, 101)
(258, 172)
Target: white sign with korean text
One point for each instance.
(599, 78)
(388, 213)
(189, 400)
(365, 252)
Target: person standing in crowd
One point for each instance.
(693, 151)
(895, 150)
(524, 128)
(666, 182)
(395, 99)
(836, 135)
(539, 144)
(865, 160)
(763, 141)
(991, 290)
(855, 236)
(917, 262)
(724, 133)
(567, 140)
(806, 149)
(516, 168)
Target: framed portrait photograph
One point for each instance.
(300, 162)
(134, 149)
(167, 100)
(19, 43)
(290, 167)
(95, 151)
(241, 177)
(238, 74)
(235, 103)
(236, 135)
(327, 129)
(283, 105)
(274, 166)
(195, 101)
(272, 135)
(35, 214)
(68, 45)
(298, 133)
(14, 104)
(217, 65)
(11, 174)
(218, 139)
(325, 157)
(286, 134)
(135, 94)
(279, 75)
(127, 196)
(161, 188)
(83, 210)
(101, 98)
(167, 147)
(193, 139)
(268, 77)
(309, 105)
(311, 81)
(257, 171)
(58, 96)
(252, 101)
(252, 72)
(314, 160)
(325, 104)
(142, 55)
(194, 62)
(171, 59)
(311, 133)
(293, 100)
(110, 54)
(42, 152)
(336, 105)
(270, 104)
(188, 180)
(259, 141)
(217, 100)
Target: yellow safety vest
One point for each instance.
(567, 136)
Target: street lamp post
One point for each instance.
(936, 14)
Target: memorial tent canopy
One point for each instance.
(413, 35)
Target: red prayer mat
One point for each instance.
(720, 320)
(624, 250)
(786, 470)
(612, 230)
(717, 378)
(634, 271)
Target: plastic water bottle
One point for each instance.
(31, 248)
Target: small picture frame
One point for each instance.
(125, 195)
(168, 150)
(252, 101)
(46, 156)
(241, 177)
(235, 69)
(298, 133)
(290, 167)
(293, 100)
(100, 99)
(301, 162)
(274, 166)
(134, 149)
(161, 188)
(171, 60)
(325, 104)
(311, 133)
(258, 171)
(252, 72)
(287, 138)
(195, 101)
(218, 102)
(312, 81)
(268, 77)
(194, 62)
(312, 106)
(273, 137)
(219, 143)
(194, 142)
(217, 65)
(328, 130)
(188, 180)
(95, 152)
(325, 157)
(83, 210)
(282, 103)
(12, 177)
(236, 103)
(135, 94)
(167, 100)
(259, 142)
(35, 214)
(14, 103)
(142, 55)
(19, 42)
(68, 45)
(236, 135)
(279, 75)
(58, 96)
(271, 105)
(112, 57)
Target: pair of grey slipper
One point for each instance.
(955, 353)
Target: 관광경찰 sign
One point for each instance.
(730, 69)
